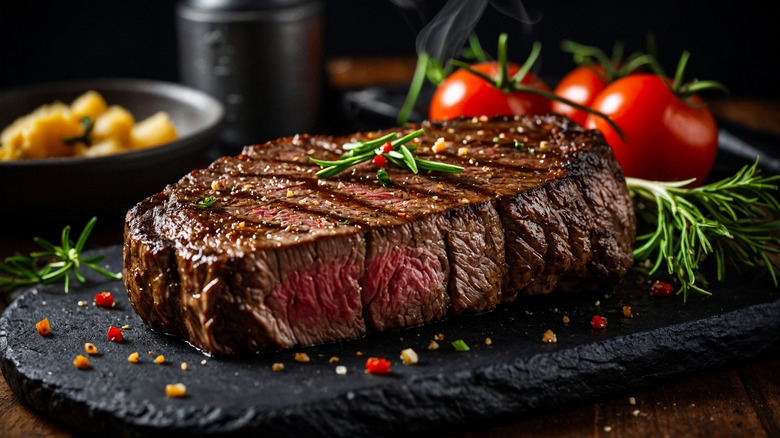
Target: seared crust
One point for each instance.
(284, 259)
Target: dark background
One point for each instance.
(735, 43)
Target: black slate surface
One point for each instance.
(446, 391)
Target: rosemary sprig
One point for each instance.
(386, 148)
(735, 220)
(60, 261)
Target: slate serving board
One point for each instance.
(446, 391)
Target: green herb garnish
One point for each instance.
(383, 177)
(205, 202)
(735, 219)
(25, 270)
(86, 138)
(390, 148)
(460, 345)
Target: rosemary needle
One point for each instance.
(61, 260)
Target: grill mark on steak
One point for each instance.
(247, 274)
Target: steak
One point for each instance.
(283, 259)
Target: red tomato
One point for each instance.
(465, 94)
(581, 86)
(667, 139)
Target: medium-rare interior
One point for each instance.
(282, 258)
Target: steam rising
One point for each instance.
(445, 34)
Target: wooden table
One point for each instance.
(739, 400)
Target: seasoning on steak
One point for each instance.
(284, 259)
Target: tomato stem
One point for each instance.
(535, 51)
(503, 77)
(476, 49)
(684, 91)
(613, 68)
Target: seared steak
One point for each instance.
(284, 259)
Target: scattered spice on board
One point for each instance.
(278, 366)
(409, 357)
(302, 357)
(661, 289)
(549, 337)
(439, 337)
(159, 359)
(90, 348)
(566, 319)
(460, 345)
(627, 312)
(184, 366)
(333, 359)
(375, 365)
(133, 357)
(115, 334)
(81, 362)
(104, 299)
(175, 390)
(433, 345)
(598, 322)
(43, 327)
(488, 341)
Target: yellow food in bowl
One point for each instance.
(88, 127)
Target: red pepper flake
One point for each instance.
(661, 289)
(104, 299)
(115, 334)
(387, 147)
(43, 327)
(375, 365)
(598, 322)
(380, 161)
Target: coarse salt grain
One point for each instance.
(341, 370)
